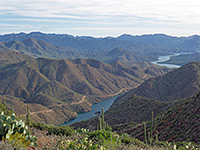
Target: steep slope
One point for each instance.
(62, 84)
(91, 47)
(180, 83)
(154, 39)
(192, 44)
(25, 80)
(37, 48)
(135, 109)
(3, 47)
(10, 57)
(180, 123)
(121, 55)
(38, 112)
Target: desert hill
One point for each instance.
(59, 83)
(134, 110)
(122, 55)
(149, 46)
(180, 83)
(10, 57)
(37, 48)
(179, 123)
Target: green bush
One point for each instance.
(52, 129)
(81, 144)
(127, 140)
(105, 138)
(4, 108)
(15, 132)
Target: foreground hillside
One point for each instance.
(180, 123)
(180, 83)
(177, 121)
(65, 87)
(26, 134)
(134, 109)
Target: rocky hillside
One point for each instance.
(11, 57)
(179, 123)
(69, 84)
(37, 48)
(148, 46)
(180, 83)
(175, 121)
(119, 54)
(134, 109)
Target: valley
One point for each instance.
(173, 117)
(99, 75)
(61, 79)
(63, 86)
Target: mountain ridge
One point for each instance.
(52, 82)
(149, 46)
(184, 80)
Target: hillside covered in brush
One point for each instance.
(177, 118)
(134, 109)
(70, 85)
(180, 123)
(11, 57)
(174, 121)
(119, 54)
(180, 83)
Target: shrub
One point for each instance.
(15, 132)
(52, 129)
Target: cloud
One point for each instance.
(104, 13)
(165, 9)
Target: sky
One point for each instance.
(101, 18)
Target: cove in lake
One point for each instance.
(166, 58)
(95, 108)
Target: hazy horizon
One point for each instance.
(98, 36)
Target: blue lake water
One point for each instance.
(166, 58)
(107, 103)
(95, 108)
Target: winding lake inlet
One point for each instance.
(166, 58)
(95, 108)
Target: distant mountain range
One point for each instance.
(34, 72)
(68, 83)
(67, 46)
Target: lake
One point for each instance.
(166, 58)
(107, 103)
(95, 108)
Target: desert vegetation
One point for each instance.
(25, 134)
